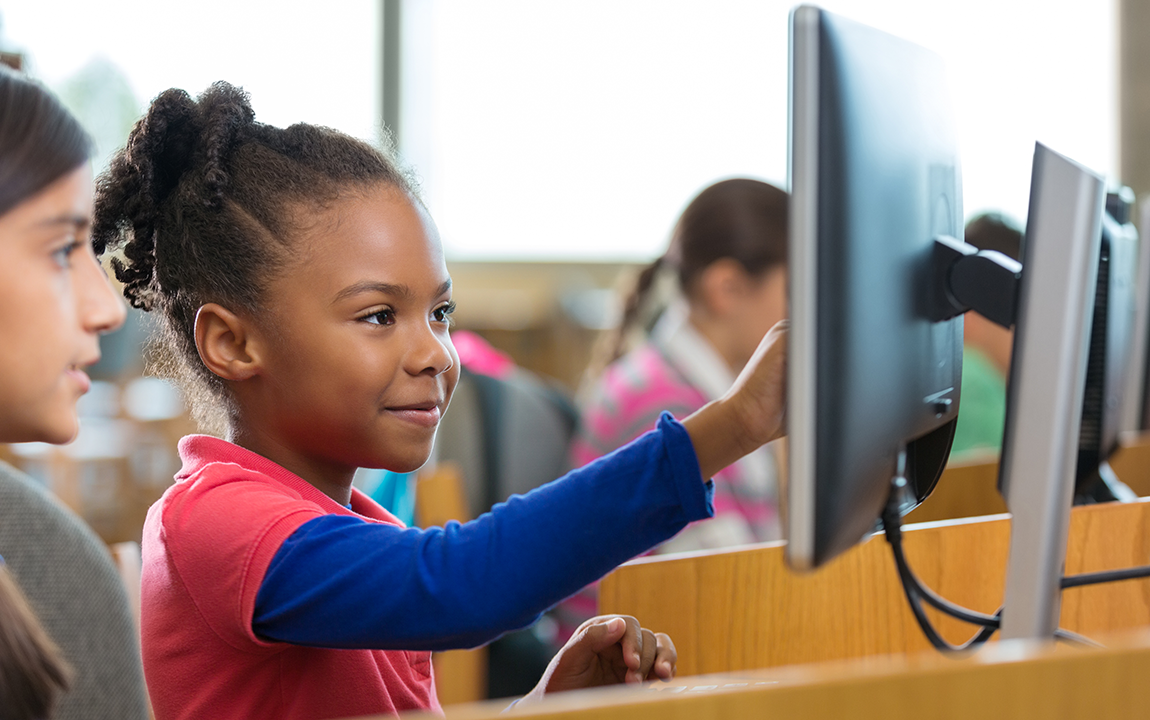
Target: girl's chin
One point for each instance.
(406, 464)
(406, 467)
(60, 432)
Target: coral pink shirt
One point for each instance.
(206, 546)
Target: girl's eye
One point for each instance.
(443, 312)
(63, 254)
(381, 317)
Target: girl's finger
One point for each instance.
(666, 659)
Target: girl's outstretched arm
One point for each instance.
(339, 581)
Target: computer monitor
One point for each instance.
(1108, 395)
(878, 282)
(873, 386)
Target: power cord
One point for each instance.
(916, 591)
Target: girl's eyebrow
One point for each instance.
(78, 221)
(370, 286)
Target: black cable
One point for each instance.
(916, 591)
(1103, 577)
(939, 603)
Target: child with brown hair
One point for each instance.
(303, 292)
(54, 303)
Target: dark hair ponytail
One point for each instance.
(633, 306)
(40, 141)
(171, 173)
(204, 203)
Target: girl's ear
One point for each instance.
(722, 286)
(225, 344)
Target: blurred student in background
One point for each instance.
(727, 256)
(986, 352)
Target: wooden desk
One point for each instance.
(1132, 464)
(742, 609)
(1015, 683)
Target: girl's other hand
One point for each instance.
(607, 650)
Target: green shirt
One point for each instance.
(981, 406)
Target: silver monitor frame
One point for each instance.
(799, 497)
(1047, 377)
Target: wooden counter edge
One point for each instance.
(1006, 680)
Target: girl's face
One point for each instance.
(355, 363)
(54, 302)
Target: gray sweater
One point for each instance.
(68, 576)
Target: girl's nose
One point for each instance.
(432, 354)
(100, 309)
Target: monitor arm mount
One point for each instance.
(966, 278)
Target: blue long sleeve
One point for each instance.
(342, 582)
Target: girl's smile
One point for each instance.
(423, 414)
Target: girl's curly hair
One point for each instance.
(202, 206)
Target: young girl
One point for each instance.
(303, 292)
(54, 303)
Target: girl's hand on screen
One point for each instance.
(751, 414)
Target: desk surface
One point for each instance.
(1003, 681)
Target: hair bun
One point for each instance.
(179, 135)
(177, 153)
(226, 112)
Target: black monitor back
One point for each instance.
(871, 373)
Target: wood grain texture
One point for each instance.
(1131, 463)
(742, 609)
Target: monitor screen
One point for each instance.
(873, 387)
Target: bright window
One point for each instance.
(560, 130)
(301, 61)
(580, 130)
